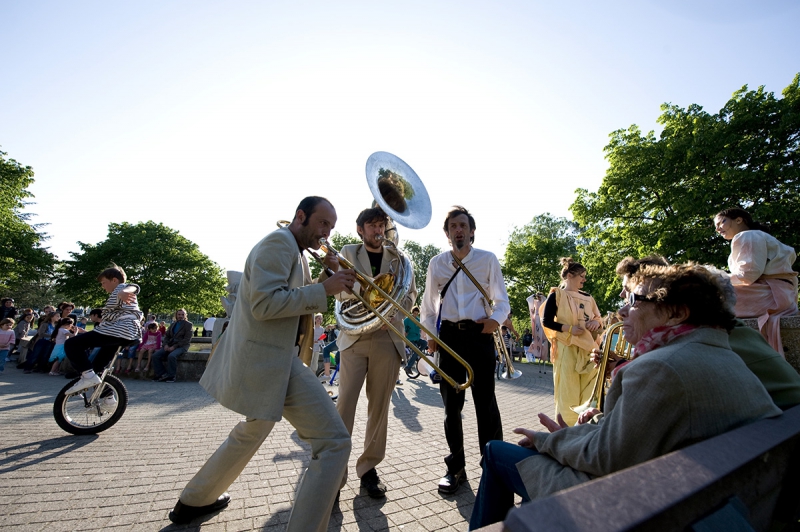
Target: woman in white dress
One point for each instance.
(761, 273)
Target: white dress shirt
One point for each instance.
(463, 301)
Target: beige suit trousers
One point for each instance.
(309, 409)
(374, 358)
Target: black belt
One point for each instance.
(463, 325)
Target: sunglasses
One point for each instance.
(633, 298)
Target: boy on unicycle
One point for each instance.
(121, 325)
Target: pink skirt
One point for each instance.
(767, 300)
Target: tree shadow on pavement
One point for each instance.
(20, 456)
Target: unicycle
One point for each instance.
(95, 409)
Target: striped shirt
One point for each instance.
(122, 320)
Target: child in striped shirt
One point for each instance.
(121, 326)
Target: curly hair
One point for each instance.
(691, 286)
(570, 266)
(628, 266)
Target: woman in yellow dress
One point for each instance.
(570, 316)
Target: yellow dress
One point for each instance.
(573, 371)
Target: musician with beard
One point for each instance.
(374, 356)
(452, 298)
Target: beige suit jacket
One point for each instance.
(249, 372)
(357, 254)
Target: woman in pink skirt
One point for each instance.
(761, 273)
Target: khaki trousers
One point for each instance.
(375, 358)
(309, 409)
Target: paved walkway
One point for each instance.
(129, 477)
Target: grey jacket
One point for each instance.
(688, 391)
(181, 337)
(249, 372)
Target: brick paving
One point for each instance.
(129, 477)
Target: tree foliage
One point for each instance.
(420, 256)
(23, 257)
(531, 261)
(170, 269)
(39, 290)
(659, 194)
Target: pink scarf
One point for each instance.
(655, 338)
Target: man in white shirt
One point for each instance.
(467, 324)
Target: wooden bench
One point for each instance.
(758, 465)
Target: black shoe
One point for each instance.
(370, 482)
(167, 379)
(157, 378)
(450, 482)
(183, 513)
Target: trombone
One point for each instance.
(381, 294)
(622, 349)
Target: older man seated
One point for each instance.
(176, 342)
(678, 390)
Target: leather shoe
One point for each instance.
(183, 513)
(449, 483)
(370, 482)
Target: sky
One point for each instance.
(217, 118)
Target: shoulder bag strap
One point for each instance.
(441, 299)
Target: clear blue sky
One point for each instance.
(216, 118)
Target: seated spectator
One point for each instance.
(6, 341)
(22, 328)
(162, 327)
(7, 309)
(677, 390)
(176, 342)
(65, 308)
(761, 273)
(779, 378)
(151, 342)
(37, 356)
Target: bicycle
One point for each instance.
(330, 383)
(95, 409)
(411, 369)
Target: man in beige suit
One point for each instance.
(375, 356)
(256, 371)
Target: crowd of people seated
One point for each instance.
(159, 349)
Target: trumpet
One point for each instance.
(623, 349)
(378, 294)
(500, 346)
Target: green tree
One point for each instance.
(39, 290)
(659, 194)
(420, 256)
(531, 261)
(23, 257)
(170, 269)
